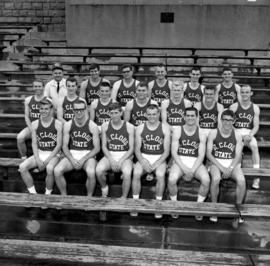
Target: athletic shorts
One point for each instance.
(78, 154)
(151, 158)
(244, 132)
(188, 161)
(43, 155)
(225, 162)
(117, 155)
(206, 131)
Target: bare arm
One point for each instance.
(92, 109)
(66, 138)
(238, 150)
(256, 121)
(128, 110)
(83, 89)
(115, 89)
(164, 106)
(27, 112)
(220, 109)
(34, 142)
(150, 87)
(60, 111)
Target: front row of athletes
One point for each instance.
(152, 148)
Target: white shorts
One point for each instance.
(225, 162)
(206, 131)
(117, 155)
(151, 158)
(244, 132)
(77, 154)
(43, 155)
(188, 161)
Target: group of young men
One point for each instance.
(140, 128)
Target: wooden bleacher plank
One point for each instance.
(10, 162)
(263, 172)
(110, 255)
(261, 260)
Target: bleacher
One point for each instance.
(67, 235)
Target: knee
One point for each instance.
(205, 180)
(241, 181)
(127, 172)
(137, 173)
(91, 172)
(254, 147)
(50, 169)
(160, 177)
(58, 171)
(215, 181)
(172, 180)
(99, 170)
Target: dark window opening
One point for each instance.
(167, 17)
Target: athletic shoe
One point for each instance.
(213, 219)
(133, 214)
(175, 216)
(158, 216)
(256, 183)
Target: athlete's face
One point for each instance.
(246, 93)
(227, 75)
(141, 92)
(58, 75)
(94, 73)
(177, 90)
(152, 115)
(38, 87)
(127, 72)
(195, 75)
(105, 92)
(160, 72)
(209, 95)
(190, 118)
(45, 110)
(71, 87)
(227, 122)
(79, 110)
(115, 115)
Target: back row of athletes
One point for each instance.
(141, 90)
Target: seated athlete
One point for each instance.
(224, 150)
(31, 113)
(118, 148)
(188, 151)
(152, 147)
(99, 108)
(46, 143)
(247, 124)
(135, 111)
(80, 146)
(65, 107)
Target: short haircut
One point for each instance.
(39, 81)
(80, 101)
(126, 66)
(161, 65)
(94, 66)
(105, 83)
(142, 84)
(178, 82)
(191, 109)
(152, 107)
(115, 106)
(72, 79)
(195, 69)
(46, 100)
(212, 88)
(226, 69)
(228, 112)
(246, 86)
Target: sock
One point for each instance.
(48, 191)
(135, 196)
(256, 166)
(32, 190)
(173, 198)
(158, 198)
(105, 191)
(24, 157)
(201, 198)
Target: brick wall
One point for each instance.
(49, 13)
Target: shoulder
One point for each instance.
(117, 83)
(104, 126)
(139, 128)
(94, 103)
(84, 83)
(165, 128)
(28, 99)
(137, 82)
(129, 104)
(130, 127)
(220, 106)
(213, 134)
(234, 106)
(256, 107)
(165, 103)
(58, 124)
(35, 124)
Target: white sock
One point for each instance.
(48, 191)
(256, 166)
(201, 198)
(173, 198)
(158, 198)
(105, 191)
(135, 196)
(32, 190)
(24, 157)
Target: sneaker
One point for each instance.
(36, 170)
(241, 220)
(213, 219)
(175, 216)
(256, 183)
(199, 218)
(158, 216)
(134, 214)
